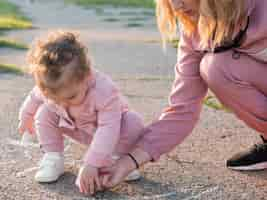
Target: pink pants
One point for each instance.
(51, 138)
(240, 83)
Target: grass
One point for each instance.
(10, 22)
(7, 43)
(124, 3)
(8, 68)
(212, 102)
(11, 17)
(174, 43)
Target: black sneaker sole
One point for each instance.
(255, 167)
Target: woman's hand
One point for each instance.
(88, 180)
(115, 174)
(112, 176)
(26, 125)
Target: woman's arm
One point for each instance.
(177, 120)
(185, 101)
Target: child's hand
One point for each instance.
(26, 125)
(88, 180)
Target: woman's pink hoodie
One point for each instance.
(185, 100)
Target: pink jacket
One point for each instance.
(189, 89)
(99, 115)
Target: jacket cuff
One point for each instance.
(98, 160)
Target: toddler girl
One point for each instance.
(72, 99)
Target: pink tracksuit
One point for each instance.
(102, 121)
(238, 77)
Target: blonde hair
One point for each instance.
(216, 23)
(56, 60)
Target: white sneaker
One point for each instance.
(51, 167)
(133, 176)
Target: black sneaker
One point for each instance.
(253, 159)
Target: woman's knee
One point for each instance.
(217, 71)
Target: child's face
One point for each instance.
(73, 95)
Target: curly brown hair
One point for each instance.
(58, 59)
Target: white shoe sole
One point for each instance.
(258, 166)
(133, 176)
(48, 179)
